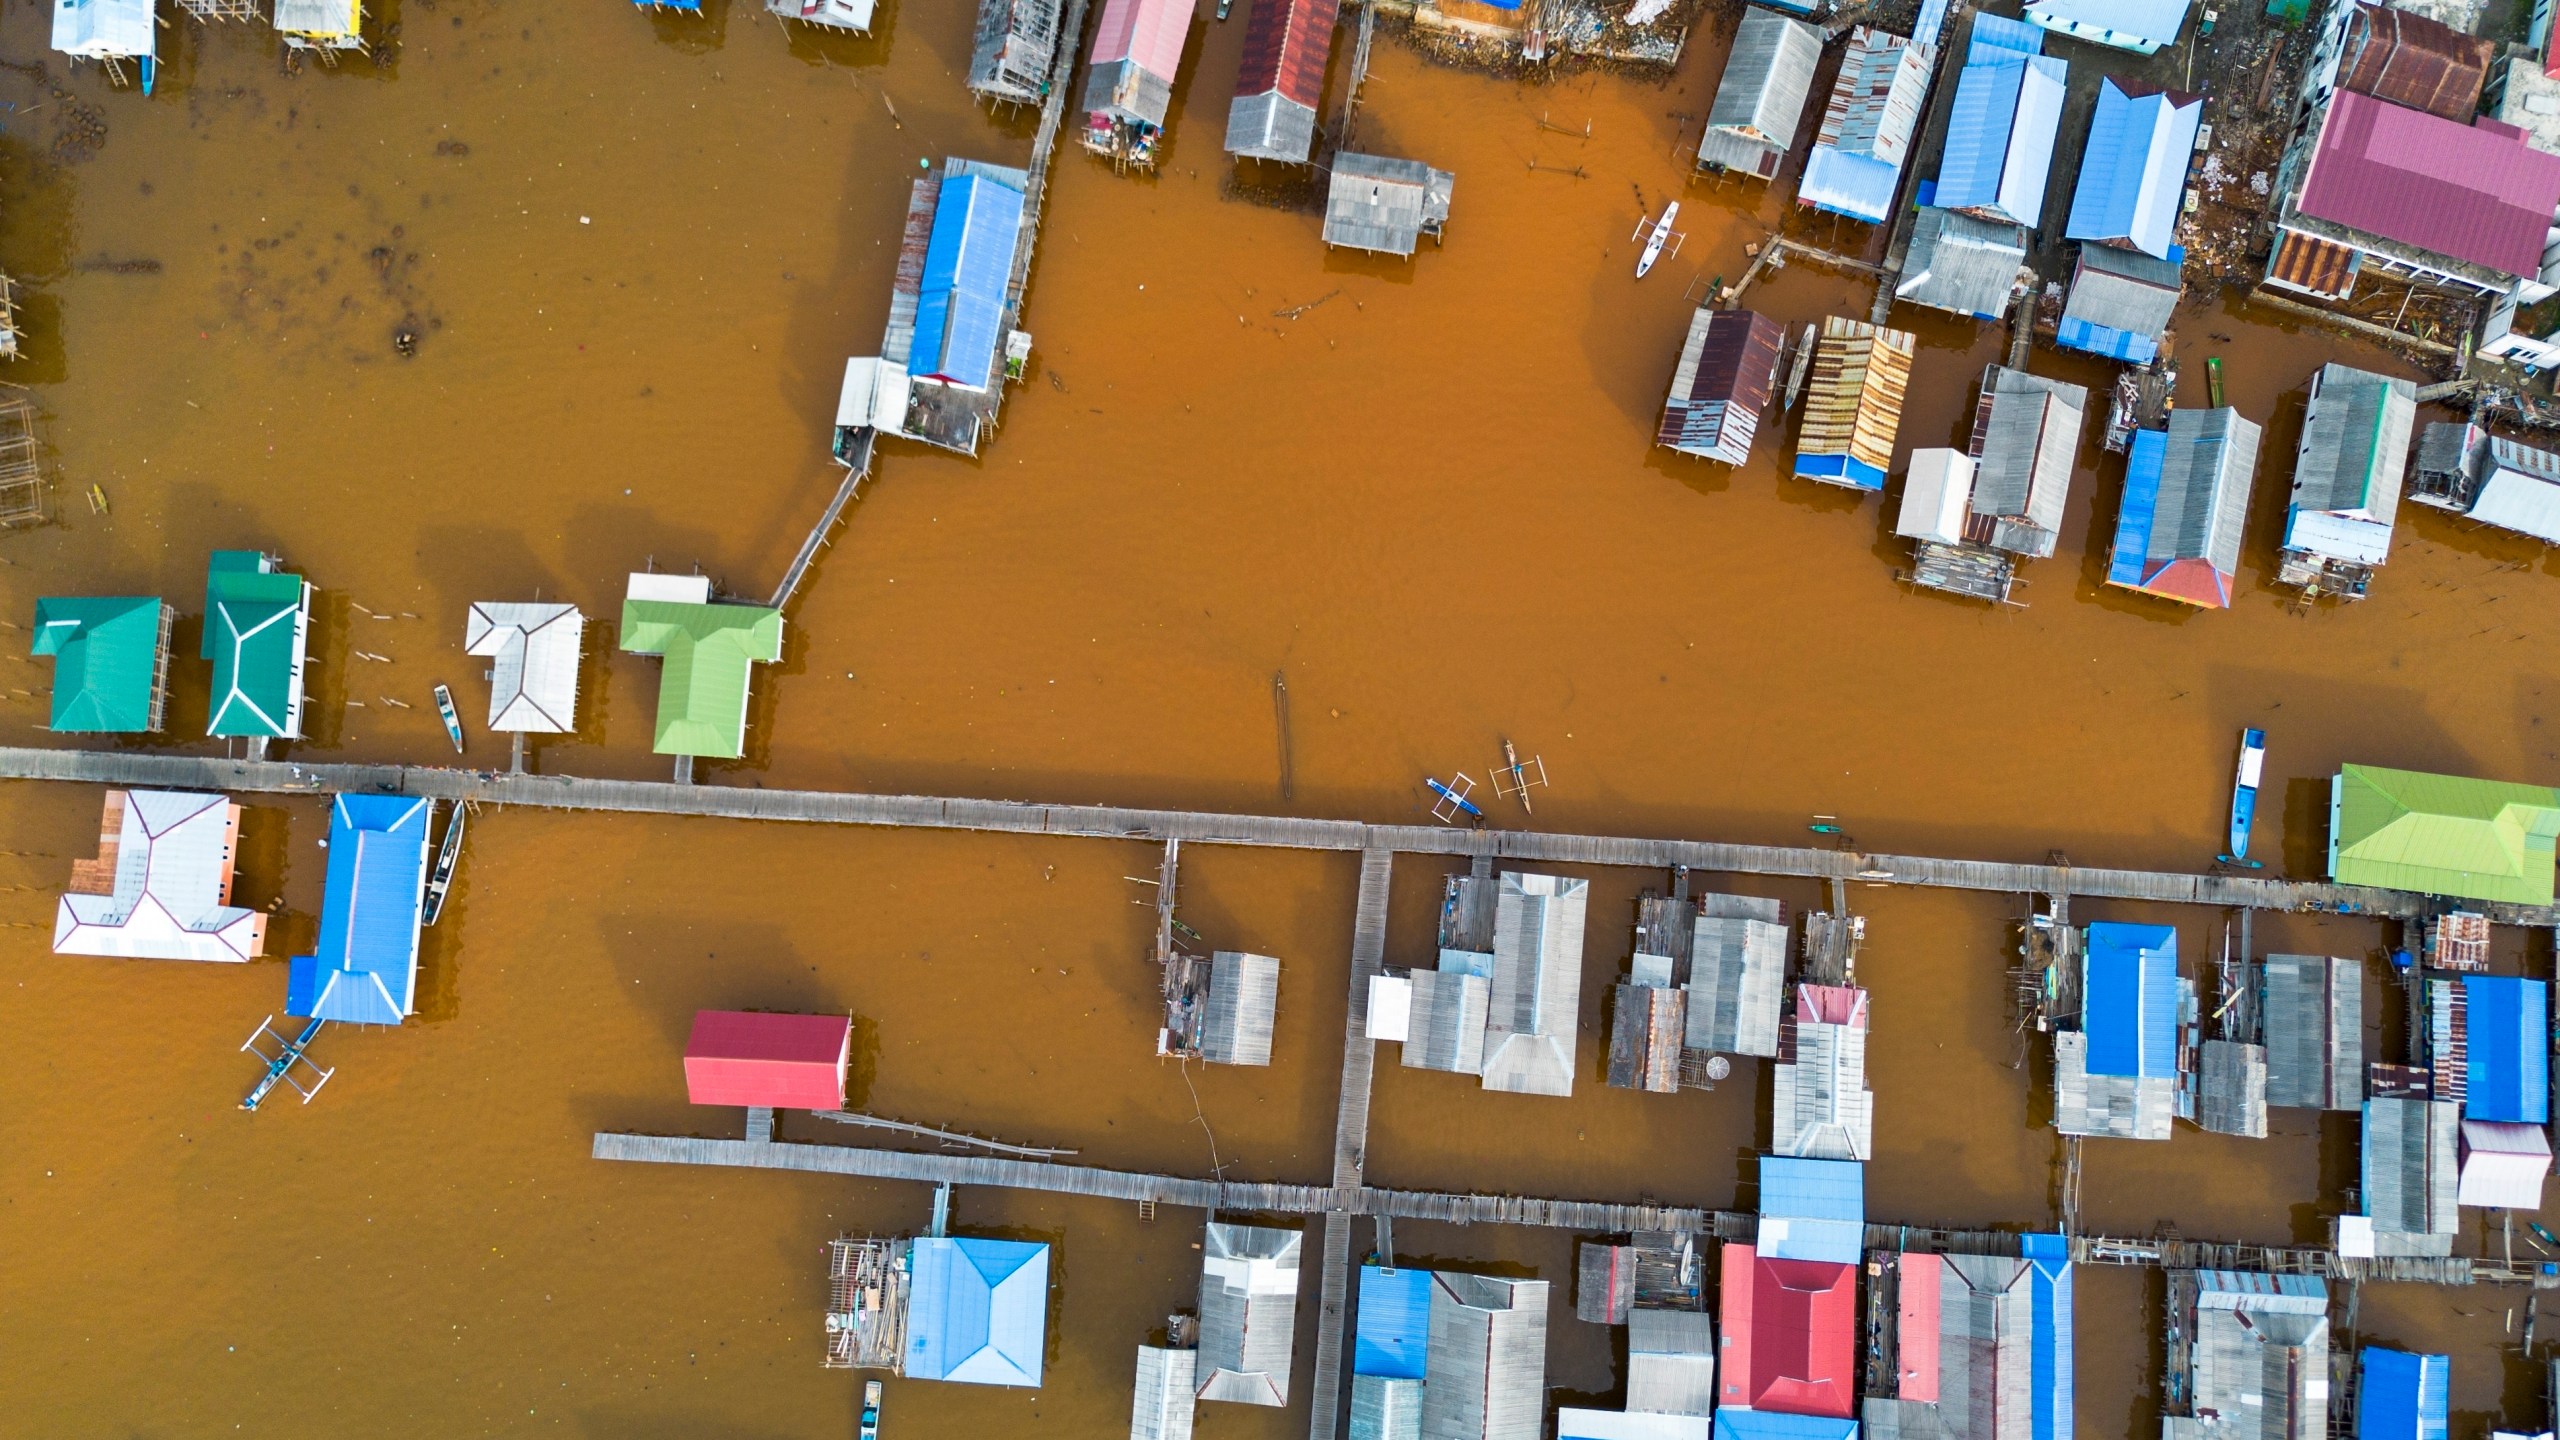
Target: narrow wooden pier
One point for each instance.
(1350, 1141)
(857, 469)
(1105, 822)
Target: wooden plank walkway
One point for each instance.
(563, 792)
(1350, 1140)
(857, 467)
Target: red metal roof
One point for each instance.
(1285, 45)
(1831, 1005)
(2467, 191)
(1915, 1335)
(790, 1062)
(1790, 1334)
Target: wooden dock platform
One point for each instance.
(1350, 1141)
(1105, 822)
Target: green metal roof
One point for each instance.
(2442, 834)
(256, 622)
(710, 651)
(107, 661)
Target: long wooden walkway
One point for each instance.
(1105, 822)
(1350, 1140)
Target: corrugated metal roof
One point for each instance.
(1734, 1424)
(2123, 291)
(2231, 1089)
(1998, 34)
(1486, 1373)
(1447, 1030)
(2313, 265)
(2000, 135)
(257, 620)
(2186, 501)
(110, 661)
(711, 653)
(1150, 33)
(2122, 1106)
(1286, 43)
(1767, 79)
(1162, 1403)
(2133, 174)
(748, 1057)
(1737, 968)
(100, 28)
(2471, 192)
(1789, 1337)
(168, 897)
(535, 648)
(2510, 1049)
(2442, 834)
(2130, 999)
(2143, 25)
(1531, 1019)
(1376, 202)
(1728, 366)
(1393, 1324)
(2410, 59)
(2315, 1031)
(1820, 1107)
(1271, 126)
(1671, 1362)
(364, 967)
(977, 1310)
(2519, 489)
(1248, 1313)
(1244, 998)
(1937, 493)
(1016, 42)
(1962, 264)
(1854, 407)
(967, 264)
(2503, 1164)
(1385, 1408)
(2407, 1174)
(2350, 462)
(2400, 1396)
(1812, 1209)
(1126, 92)
(2026, 443)
(1575, 1422)
(1867, 124)
(2260, 1348)
(322, 20)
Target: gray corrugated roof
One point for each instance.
(2232, 1089)
(1377, 202)
(1161, 1409)
(1244, 996)
(1448, 1021)
(1385, 1408)
(2355, 442)
(1671, 1362)
(1248, 1313)
(1271, 126)
(1766, 81)
(1531, 1019)
(2406, 1166)
(2315, 1032)
(2205, 478)
(1821, 1108)
(2262, 1372)
(2123, 290)
(1485, 1373)
(2123, 1106)
(2028, 451)
(1961, 264)
(1736, 968)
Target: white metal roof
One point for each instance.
(1936, 492)
(1390, 1007)
(2503, 1165)
(536, 646)
(102, 28)
(173, 850)
(682, 589)
(874, 396)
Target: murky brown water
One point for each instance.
(635, 267)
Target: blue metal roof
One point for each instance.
(364, 970)
(2126, 562)
(2104, 340)
(1738, 1424)
(2050, 1336)
(968, 262)
(2129, 1000)
(2133, 176)
(1841, 467)
(1999, 147)
(2510, 1039)
(2400, 1396)
(1812, 1209)
(2133, 24)
(1394, 1325)
(1858, 186)
(1997, 34)
(977, 1310)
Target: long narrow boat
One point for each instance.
(1654, 236)
(871, 1388)
(452, 721)
(2244, 793)
(448, 855)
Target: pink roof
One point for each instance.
(1789, 1334)
(1915, 1336)
(1831, 1005)
(1150, 32)
(789, 1062)
(2476, 193)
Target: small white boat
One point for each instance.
(1656, 234)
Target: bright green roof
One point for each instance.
(256, 620)
(2442, 834)
(710, 651)
(107, 663)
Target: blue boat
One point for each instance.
(2244, 794)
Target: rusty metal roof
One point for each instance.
(2310, 264)
(2410, 60)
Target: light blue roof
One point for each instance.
(2050, 1334)
(1394, 1325)
(1999, 149)
(1996, 34)
(1845, 468)
(2133, 177)
(2510, 1047)
(1858, 186)
(2152, 23)
(1812, 1209)
(1736, 1424)
(2400, 1396)
(2128, 560)
(2105, 340)
(977, 1310)
(2129, 1000)
(364, 970)
(968, 262)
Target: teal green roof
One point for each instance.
(256, 622)
(107, 661)
(710, 651)
(2443, 834)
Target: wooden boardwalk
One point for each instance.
(1350, 1141)
(1104, 822)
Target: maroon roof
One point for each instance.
(2472, 192)
(1286, 43)
(2411, 60)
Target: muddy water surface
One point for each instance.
(562, 292)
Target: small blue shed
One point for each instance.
(2510, 1043)
(1393, 1328)
(2400, 1396)
(364, 969)
(2129, 1000)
